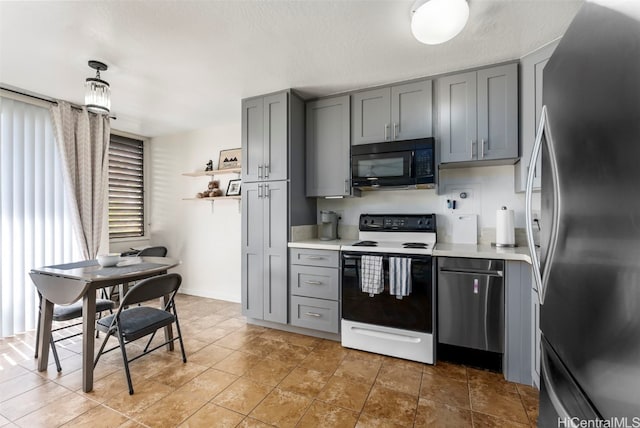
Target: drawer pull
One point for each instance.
(313, 314)
(313, 282)
(315, 257)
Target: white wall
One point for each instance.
(488, 189)
(205, 238)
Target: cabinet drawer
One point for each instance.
(316, 314)
(304, 256)
(313, 281)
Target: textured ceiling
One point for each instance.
(181, 65)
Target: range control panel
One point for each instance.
(398, 222)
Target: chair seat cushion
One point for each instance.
(74, 310)
(138, 321)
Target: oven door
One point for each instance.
(382, 169)
(413, 312)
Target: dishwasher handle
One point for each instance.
(463, 271)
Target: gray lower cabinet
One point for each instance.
(478, 115)
(399, 112)
(314, 285)
(519, 350)
(264, 250)
(531, 79)
(328, 149)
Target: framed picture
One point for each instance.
(234, 187)
(230, 159)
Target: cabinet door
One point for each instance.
(411, 110)
(252, 250)
(328, 149)
(275, 161)
(371, 120)
(457, 112)
(498, 112)
(252, 139)
(275, 251)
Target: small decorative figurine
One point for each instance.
(209, 166)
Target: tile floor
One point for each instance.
(248, 376)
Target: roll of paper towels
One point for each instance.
(505, 232)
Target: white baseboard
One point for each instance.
(211, 294)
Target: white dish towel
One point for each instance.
(399, 276)
(371, 275)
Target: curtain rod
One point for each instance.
(43, 98)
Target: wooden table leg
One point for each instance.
(168, 330)
(88, 338)
(46, 317)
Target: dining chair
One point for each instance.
(131, 323)
(63, 313)
(158, 251)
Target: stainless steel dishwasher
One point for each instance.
(471, 303)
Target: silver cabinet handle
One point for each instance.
(386, 131)
(396, 130)
(266, 171)
(267, 192)
(259, 171)
(471, 141)
(259, 191)
(313, 282)
(482, 148)
(346, 186)
(313, 314)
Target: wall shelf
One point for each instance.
(212, 173)
(212, 199)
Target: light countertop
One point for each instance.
(441, 249)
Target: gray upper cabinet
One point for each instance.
(264, 138)
(397, 112)
(328, 149)
(264, 250)
(531, 74)
(478, 114)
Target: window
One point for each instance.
(126, 187)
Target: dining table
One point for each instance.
(64, 284)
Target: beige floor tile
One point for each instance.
(212, 415)
(20, 384)
(242, 396)
(237, 363)
(400, 378)
(178, 374)
(281, 408)
(269, 372)
(362, 371)
(369, 421)
(209, 355)
(290, 353)
(9, 371)
(170, 410)
(320, 414)
(305, 381)
(398, 407)
(399, 362)
(145, 394)
(237, 339)
(209, 384)
(98, 417)
(486, 399)
(438, 415)
(4, 421)
(443, 368)
(73, 381)
(344, 393)
(260, 346)
(530, 398)
(445, 390)
(487, 421)
(253, 423)
(109, 386)
(355, 355)
(487, 379)
(323, 361)
(31, 400)
(57, 413)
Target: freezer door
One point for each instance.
(591, 309)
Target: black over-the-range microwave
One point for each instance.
(408, 163)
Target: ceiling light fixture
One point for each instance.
(437, 21)
(97, 93)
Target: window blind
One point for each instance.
(126, 187)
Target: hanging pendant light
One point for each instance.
(437, 21)
(97, 95)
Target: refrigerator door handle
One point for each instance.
(543, 135)
(563, 414)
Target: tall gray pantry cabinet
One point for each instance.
(273, 199)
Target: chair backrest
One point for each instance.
(153, 252)
(151, 288)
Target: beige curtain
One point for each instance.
(82, 139)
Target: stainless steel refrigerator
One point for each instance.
(589, 264)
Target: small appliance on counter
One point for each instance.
(328, 226)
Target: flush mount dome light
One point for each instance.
(436, 21)
(97, 93)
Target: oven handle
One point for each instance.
(384, 257)
(464, 271)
